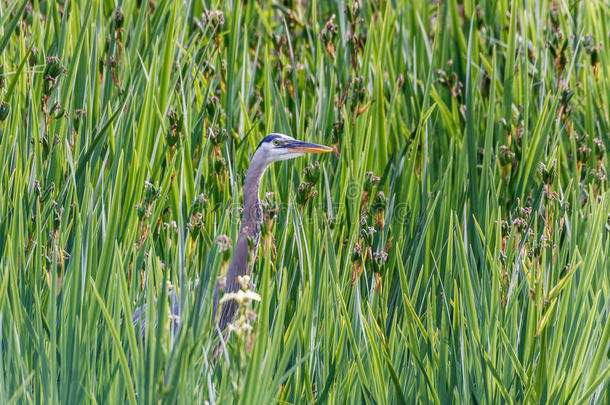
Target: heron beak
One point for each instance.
(306, 147)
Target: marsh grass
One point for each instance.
(454, 249)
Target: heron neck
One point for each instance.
(247, 241)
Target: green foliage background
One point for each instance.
(474, 269)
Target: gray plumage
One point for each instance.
(272, 148)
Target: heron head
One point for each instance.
(276, 147)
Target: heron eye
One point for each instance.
(276, 142)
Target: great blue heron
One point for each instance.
(272, 148)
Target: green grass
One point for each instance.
(480, 274)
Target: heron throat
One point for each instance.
(247, 241)
(249, 233)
